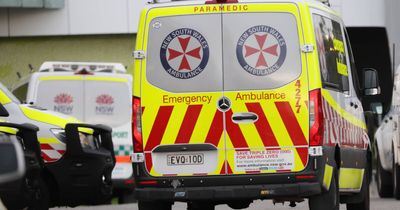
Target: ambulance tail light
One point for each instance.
(137, 126)
(316, 118)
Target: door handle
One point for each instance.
(244, 117)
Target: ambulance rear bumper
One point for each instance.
(302, 184)
(220, 193)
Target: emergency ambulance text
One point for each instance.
(186, 99)
(225, 8)
(259, 96)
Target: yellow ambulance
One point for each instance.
(239, 100)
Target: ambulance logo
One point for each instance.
(184, 53)
(63, 103)
(104, 104)
(261, 50)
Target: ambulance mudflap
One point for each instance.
(224, 102)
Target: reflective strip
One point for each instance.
(341, 111)
(52, 152)
(48, 140)
(351, 178)
(48, 118)
(123, 159)
(327, 176)
(82, 78)
(4, 99)
(8, 130)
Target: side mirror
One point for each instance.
(371, 82)
(12, 162)
(3, 111)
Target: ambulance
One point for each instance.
(96, 93)
(239, 100)
(70, 164)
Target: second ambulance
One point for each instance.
(236, 101)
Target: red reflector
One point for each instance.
(302, 177)
(148, 182)
(136, 126)
(129, 181)
(316, 118)
(221, 1)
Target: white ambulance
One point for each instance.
(96, 93)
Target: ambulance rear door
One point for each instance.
(108, 100)
(266, 86)
(60, 92)
(181, 84)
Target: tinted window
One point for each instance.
(261, 50)
(331, 53)
(184, 53)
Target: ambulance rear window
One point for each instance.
(184, 53)
(229, 52)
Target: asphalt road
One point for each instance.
(376, 204)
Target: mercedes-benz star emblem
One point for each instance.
(224, 104)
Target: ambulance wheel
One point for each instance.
(396, 180)
(154, 205)
(200, 206)
(364, 204)
(383, 181)
(42, 198)
(327, 200)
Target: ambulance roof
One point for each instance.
(61, 66)
(157, 3)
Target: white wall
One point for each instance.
(77, 17)
(361, 12)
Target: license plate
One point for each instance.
(185, 159)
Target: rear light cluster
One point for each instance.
(137, 126)
(316, 118)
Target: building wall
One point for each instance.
(76, 18)
(16, 54)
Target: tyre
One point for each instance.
(42, 198)
(200, 206)
(154, 205)
(364, 204)
(396, 180)
(327, 200)
(38, 198)
(383, 181)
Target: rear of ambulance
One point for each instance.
(222, 105)
(96, 98)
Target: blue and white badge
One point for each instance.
(184, 53)
(261, 50)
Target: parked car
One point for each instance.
(387, 144)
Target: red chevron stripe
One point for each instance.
(188, 124)
(234, 132)
(293, 128)
(262, 125)
(149, 161)
(159, 126)
(216, 129)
